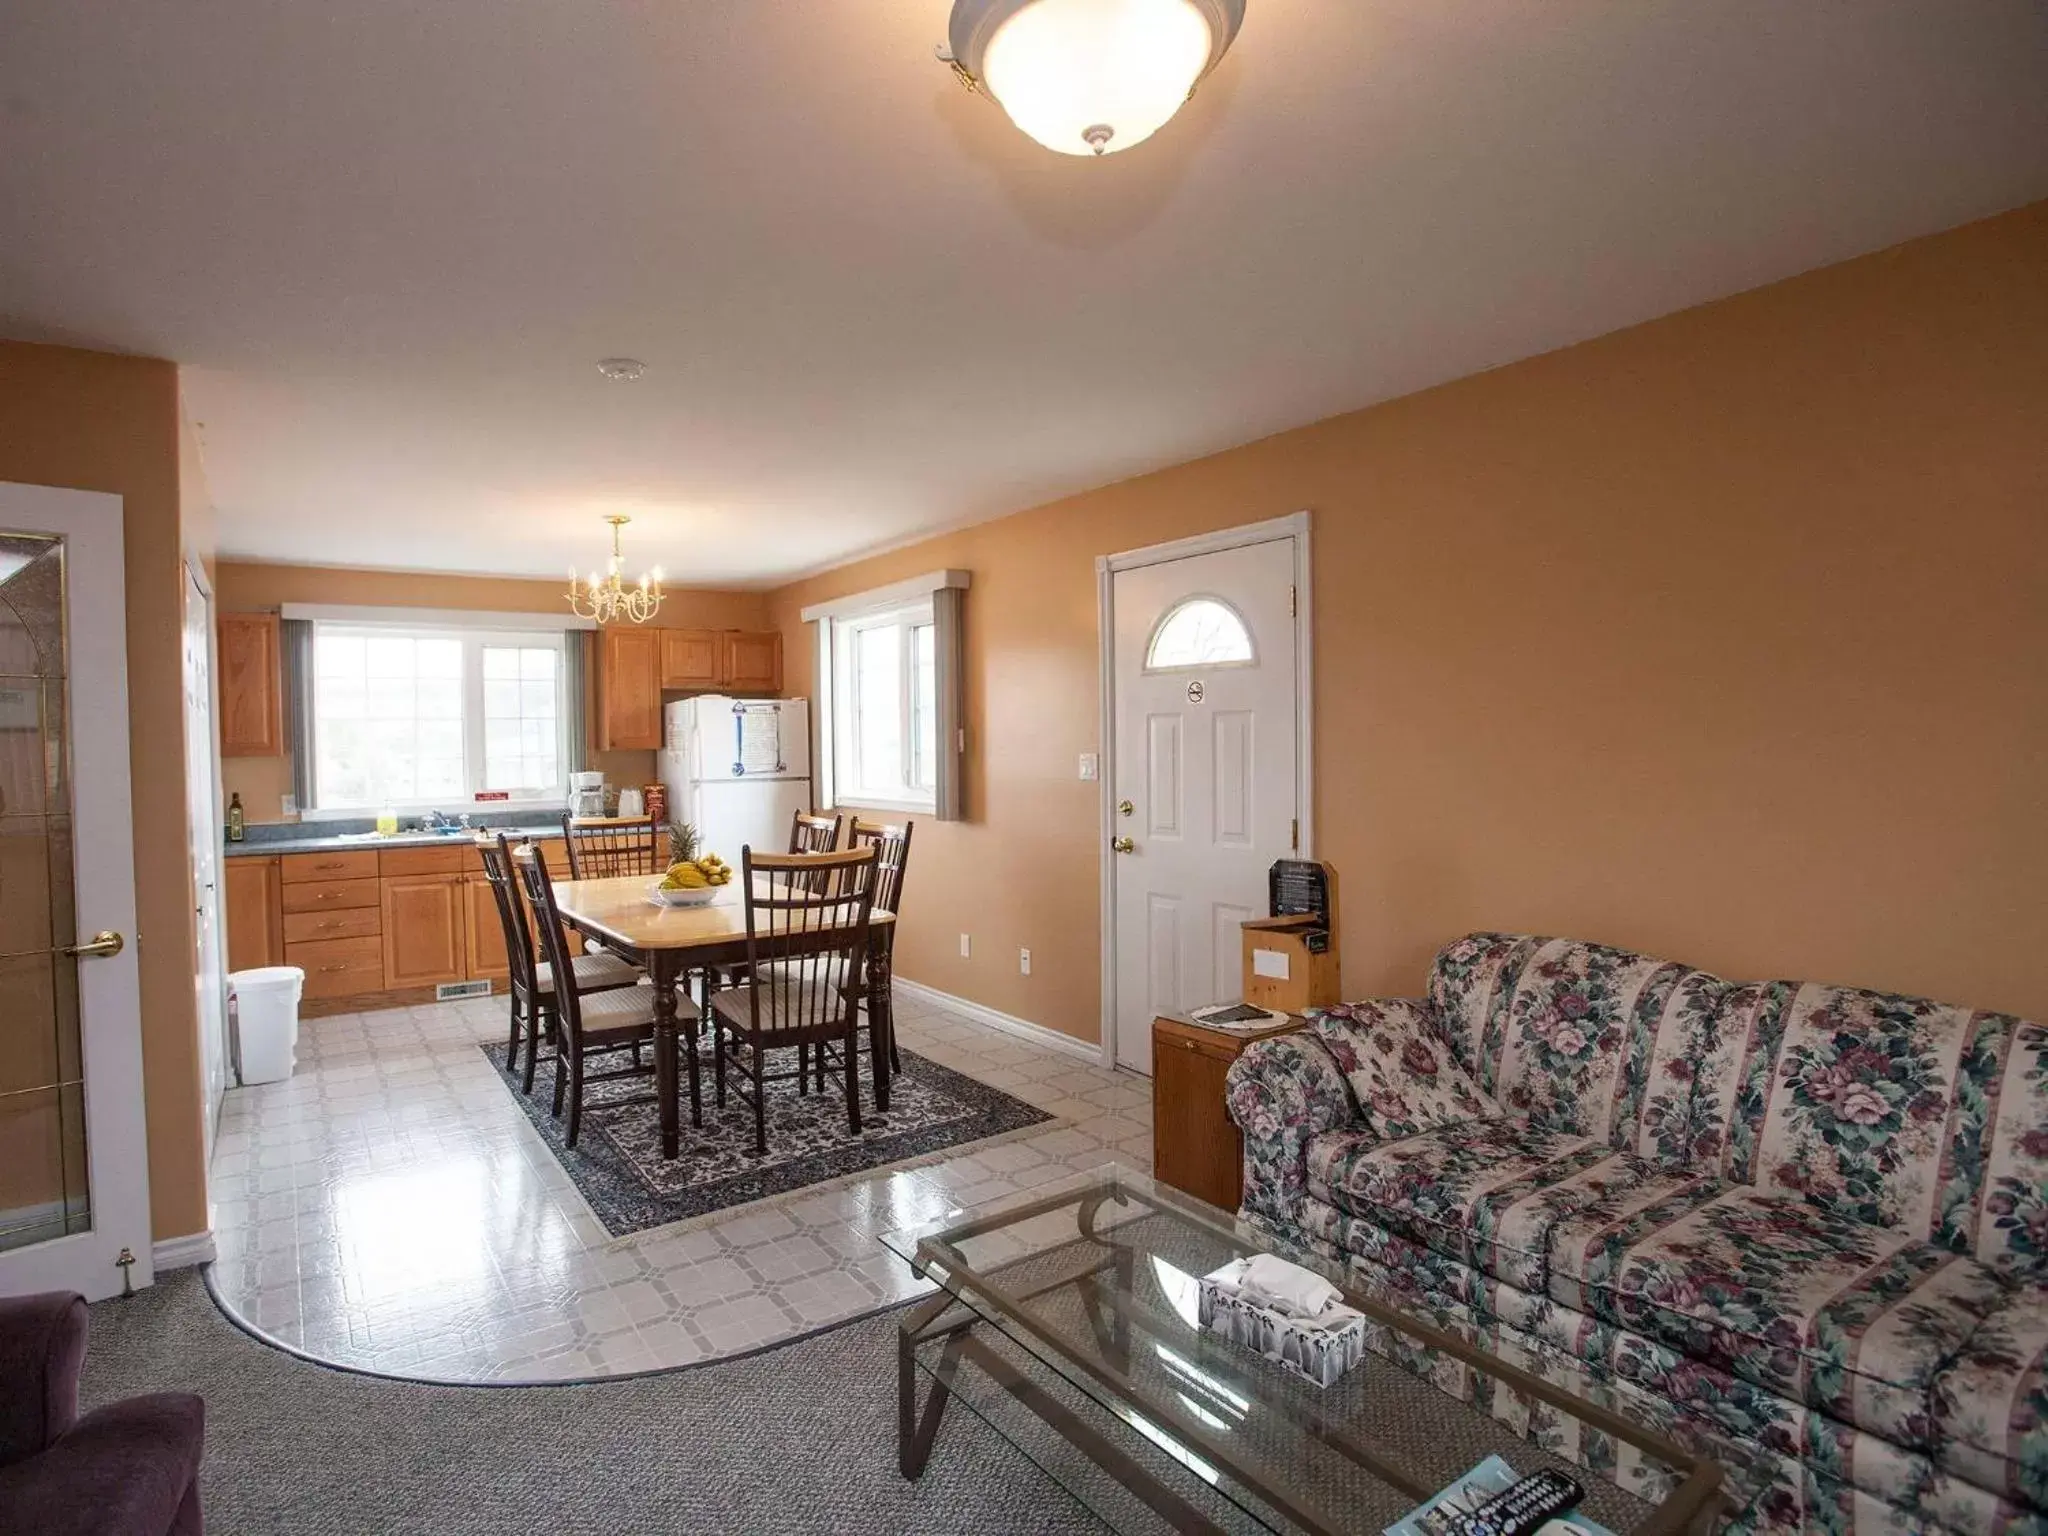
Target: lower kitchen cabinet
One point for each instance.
(254, 913)
(339, 967)
(424, 939)
(484, 932)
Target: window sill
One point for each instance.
(414, 809)
(877, 803)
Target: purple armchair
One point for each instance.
(128, 1469)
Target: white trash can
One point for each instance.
(266, 1005)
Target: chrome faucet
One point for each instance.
(433, 821)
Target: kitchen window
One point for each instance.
(889, 702)
(418, 718)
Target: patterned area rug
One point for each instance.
(618, 1166)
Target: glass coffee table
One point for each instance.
(1066, 1321)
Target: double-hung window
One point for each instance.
(889, 696)
(885, 730)
(418, 717)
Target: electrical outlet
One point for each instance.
(966, 947)
(1023, 962)
(289, 805)
(1090, 770)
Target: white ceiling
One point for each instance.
(391, 239)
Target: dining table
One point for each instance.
(621, 913)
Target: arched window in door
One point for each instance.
(1199, 632)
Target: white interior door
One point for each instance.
(74, 1162)
(202, 820)
(1204, 776)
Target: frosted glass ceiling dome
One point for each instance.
(1088, 77)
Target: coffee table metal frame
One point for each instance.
(1692, 1507)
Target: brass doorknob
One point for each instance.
(105, 944)
(1123, 845)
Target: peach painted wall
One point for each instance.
(98, 422)
(245, 587)
(1724, 637)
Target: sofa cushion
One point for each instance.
(1868, 1326)
(128, 1469)
(1401, 1070)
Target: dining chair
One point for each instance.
(531, 981)
(807, 941)
(593, 1023)
(602, 848)
(811, 833)
(891, 842)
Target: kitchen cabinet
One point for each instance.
(254, 913)
(423, 923)
(251, 686)
(750, 663)
(629, 714)
(689, 659)
(483, 932)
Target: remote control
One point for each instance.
(1522, 1509)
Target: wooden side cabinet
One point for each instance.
(251, 686)
(1195, 1145)
(483, 932)
(254, 913)
(630, 690)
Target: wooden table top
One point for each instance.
(618, 909)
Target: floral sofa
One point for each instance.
(1811, 1219)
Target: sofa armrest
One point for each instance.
(42, 1346)
(1281, 1093)
(128, 1469)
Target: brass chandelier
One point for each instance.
(611, 600)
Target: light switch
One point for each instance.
(1090, 772)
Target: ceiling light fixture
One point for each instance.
(621, 370)
(1089, 77)
(611, 600)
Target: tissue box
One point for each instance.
(1320, 1354)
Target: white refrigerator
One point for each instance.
(737, 770)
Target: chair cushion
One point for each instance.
(127, 1469)
(784, 1004)
(626, 1010)
(1400, 1067)
(594, 972)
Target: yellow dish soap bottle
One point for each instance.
(387, 822)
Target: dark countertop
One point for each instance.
(290, 839)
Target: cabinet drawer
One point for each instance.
(355, 864)
(1167, 1038)
(339, 967)
(421, 861)
(347, 923)
(330, 895)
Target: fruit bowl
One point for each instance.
(689, 896)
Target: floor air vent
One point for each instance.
(449, 990)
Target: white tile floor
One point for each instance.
(390, 1208)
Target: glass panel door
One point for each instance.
(44, 1189)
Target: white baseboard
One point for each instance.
(1009, 1024)
(183, 1252)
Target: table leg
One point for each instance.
(661, 970)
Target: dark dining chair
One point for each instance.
(600, 848)
(531, 980)
(891, 842)
(811, 833)
(807, 942)
(594, 1023)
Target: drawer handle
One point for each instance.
(331, 864)
(328, 968)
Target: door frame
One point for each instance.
(1294, 528)
(212, 830)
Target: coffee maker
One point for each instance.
(586, 794)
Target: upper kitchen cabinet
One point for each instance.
(689, 659)
(629, 715)
(750, 663)
(251, 686)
